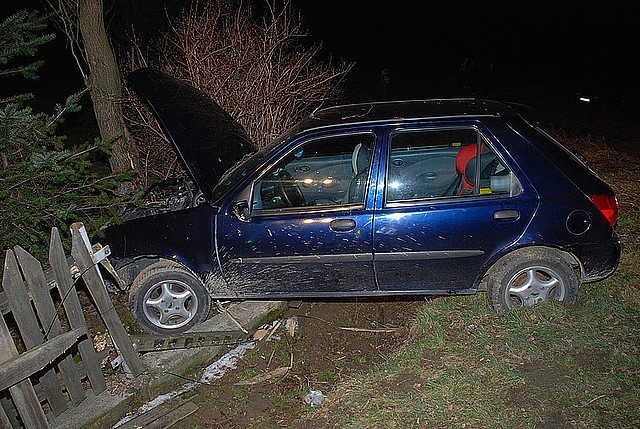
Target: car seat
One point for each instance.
(466, 166)
(360, 162)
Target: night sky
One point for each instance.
(539, 51)
(546, 45)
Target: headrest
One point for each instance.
(361, 158)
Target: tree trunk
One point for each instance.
(105, 87)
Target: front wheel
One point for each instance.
(530, 276)
(168, 299)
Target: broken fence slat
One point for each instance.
(23, 395)
(16, 293)
(22, 366)
(175, 415)
(28, 406)
(11, 411)
(48, 275)
(95, 285)
(4, 419)
(41, 296)
(158, 415)
(71, 303)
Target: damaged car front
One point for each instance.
(168, 239)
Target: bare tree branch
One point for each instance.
(259, 69)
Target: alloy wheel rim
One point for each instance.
(533, 285)
(170, 304)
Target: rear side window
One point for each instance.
(451, 163)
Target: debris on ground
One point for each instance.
(227, 362)
(314, 398)
(291, 325)
(268, 390)
(261, 378)
(225, 311)
(214, 371)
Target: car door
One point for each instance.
(448, 202)
(307, 224)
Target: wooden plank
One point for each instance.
(28, 406)
(4, 305)
(16, 293)
(23, 395)
(24, 365)
(4, 419)
(10, 411)
(174, 416)
(47, 313)
(8, 351)
(95, 284)
(66, 288)
(176, 407)
(81, 373)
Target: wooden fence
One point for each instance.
(47, 358)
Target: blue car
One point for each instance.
(403, 198)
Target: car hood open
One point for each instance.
(208, 140)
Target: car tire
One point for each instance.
(167, 299)
(529, 276)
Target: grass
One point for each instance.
(465, 366)
(545, 366)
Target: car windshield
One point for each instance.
(247, 164)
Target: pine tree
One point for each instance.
(43, 183)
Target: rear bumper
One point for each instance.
(597, 260)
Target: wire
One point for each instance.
(193, 380)
(64, 298)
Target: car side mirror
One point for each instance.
(240, 210)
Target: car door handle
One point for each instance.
(342, 225)
(503, 215)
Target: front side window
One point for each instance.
(329, 171)
(447, 163)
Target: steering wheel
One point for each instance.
(281, 190)
(289, 190)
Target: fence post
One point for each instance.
(62, 275)
(81, 252)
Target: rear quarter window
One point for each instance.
(560, 152)
(565, 161)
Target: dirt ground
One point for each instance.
(322, 354)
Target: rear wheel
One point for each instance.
(530, 276)
(166, 298)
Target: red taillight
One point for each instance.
(608, 206)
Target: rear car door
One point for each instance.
(310, 222)
(447, 203)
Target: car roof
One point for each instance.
(392, 111)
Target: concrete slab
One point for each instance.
(92, 409)
(184, 361)
(163, 371)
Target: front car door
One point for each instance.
(447, 203)
(310, 222)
